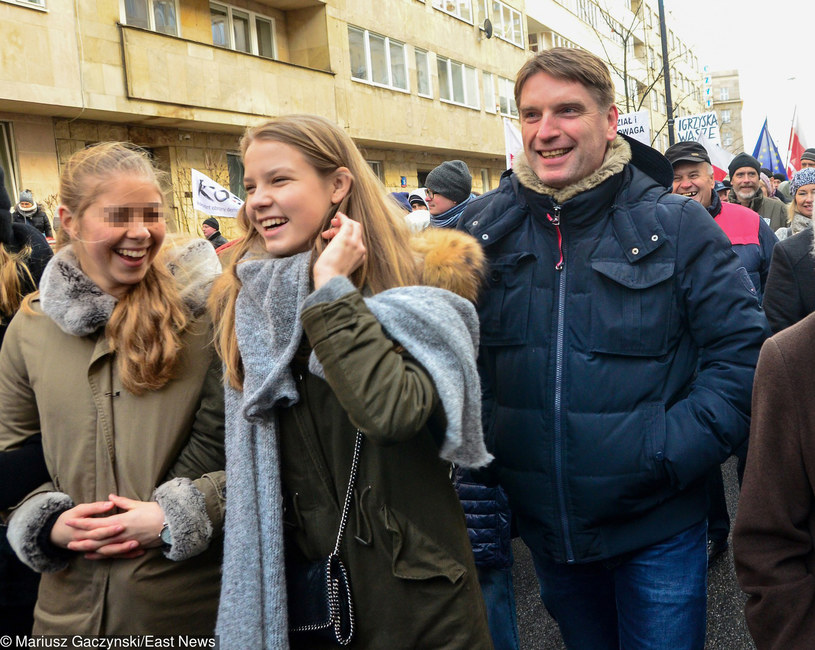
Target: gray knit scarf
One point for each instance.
(438, 328)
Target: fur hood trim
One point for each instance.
(618, 155)
(79, 307)
(450, 259)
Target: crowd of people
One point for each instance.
(327, 431)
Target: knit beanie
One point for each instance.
(452, 180)
(809, 154)
(744, 159)
(806, 176)
(212, 222)
(6, 234)
(26, 196)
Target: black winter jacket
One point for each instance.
(790, 292)
(39, 220)
(596, 315)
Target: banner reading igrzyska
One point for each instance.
(692, 127)
(213, 199)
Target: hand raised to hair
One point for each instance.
(345, 251)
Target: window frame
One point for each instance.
(450, 88)
(437, 4)
(254, 45)
(500, 28)
(39, 5)
(151, 17)
(368, 64)
(510, 97)
(428, 71)
(724, 94)
(726, 116)
(491, 102)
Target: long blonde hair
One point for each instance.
(326, 147)
(13, 273)
(145, 327)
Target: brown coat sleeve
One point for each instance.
(772, 539)
(387, 395)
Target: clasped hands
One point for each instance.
(124, 535)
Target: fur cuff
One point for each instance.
(185, 511)
(26, 524)
(334, 289)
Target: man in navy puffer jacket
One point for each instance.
(605, 295)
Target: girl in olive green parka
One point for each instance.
(324, 332)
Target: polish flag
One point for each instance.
(796, 148)
(720, 158)
(512, 141)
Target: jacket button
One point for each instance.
(635, 251)
(475, 223)
(654, 237)
(485, 237)
(660, 455)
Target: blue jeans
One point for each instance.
(499, 597)
(651, 599)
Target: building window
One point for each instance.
(485, 180)
(489, 92)
(244, 31)
(377, 60)
(533, 42)
(726, 116)
(156, 15)
(234, 166)
(7, 158)
(655, 101)
(377, 168)
(506, 97)
(724, 94)
(727, 139)
(28, 3)
(423, 84)
(458, 83)
(507, 22)
(459, 8)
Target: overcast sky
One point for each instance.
(767, 42)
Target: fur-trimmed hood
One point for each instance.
(621, 151)
(450, 259)
(79, 307)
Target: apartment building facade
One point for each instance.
(728, 105)
(625, 34)
(414, 82)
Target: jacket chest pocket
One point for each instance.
(632, 308)
(504, 304)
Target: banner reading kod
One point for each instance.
(209, 197)
(691, 127)
(635, 125)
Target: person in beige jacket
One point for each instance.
(112, 363)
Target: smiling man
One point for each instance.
(618, 342)
(746, 190)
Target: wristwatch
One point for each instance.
(165, 536)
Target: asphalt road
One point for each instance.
(726, 629)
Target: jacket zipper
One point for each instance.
(561, 310)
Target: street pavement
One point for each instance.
(726, 628)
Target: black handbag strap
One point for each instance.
(351, 480)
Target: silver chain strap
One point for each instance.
(351, 480)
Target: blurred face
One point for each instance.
(694, 181)
(417, 206)
(723, 195)
(804, 198)
(438, 204)
(745, 182)
(775, 183)
(286, 199)
(565, 133)
(26, 205)
(208, 230)
(807, 163)
(119, 235)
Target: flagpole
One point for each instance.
(789, 145)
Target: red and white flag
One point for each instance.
(720, 158)
(796, 148)
(512, 141)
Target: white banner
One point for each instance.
(211, 198)
(692, 127)
(512, 141)
(636, 125)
